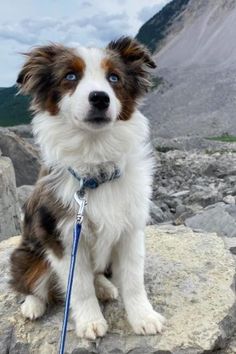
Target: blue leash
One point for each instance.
(79, 198)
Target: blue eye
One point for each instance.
(113, 78)
(71, 77)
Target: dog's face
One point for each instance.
(91, 88)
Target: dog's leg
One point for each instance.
(105, 290)
(86, 312)
(128, 272)
(34, 305)
(30, 275)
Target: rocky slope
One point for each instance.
(197, 60)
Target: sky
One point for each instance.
(27, 23)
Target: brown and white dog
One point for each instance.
(85, 102)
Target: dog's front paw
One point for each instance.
(33, 307)
(149, 324)
(92, 330)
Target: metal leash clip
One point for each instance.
(81, 201)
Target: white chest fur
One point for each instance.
(117, 206)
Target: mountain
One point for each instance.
(195, 52)
(13, 108)
(154, 31)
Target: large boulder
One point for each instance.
(24, 156)
(9, 206)
(189, 278)
(219, 217)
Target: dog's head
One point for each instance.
(90, 87)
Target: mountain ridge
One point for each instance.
(153, 32)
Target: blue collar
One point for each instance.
(93, 182)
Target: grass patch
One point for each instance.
(224, 138)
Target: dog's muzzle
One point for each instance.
(99, 101)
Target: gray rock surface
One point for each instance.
(185, 182)
(189, 278)
(219, 218)
(9, 206)
(231, 348)
(24, 193)
(157, 216)
(24, 156)
(24, 131)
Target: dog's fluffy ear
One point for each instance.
(35, 74)
(137, 60)
(131, 51)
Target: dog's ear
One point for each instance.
(137, 60)
(36, 73)
(132, 52)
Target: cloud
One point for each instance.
(17, 34)
(149, 11)
(85, 30)
(36, 25)
(86, 4)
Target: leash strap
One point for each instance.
(76, 237)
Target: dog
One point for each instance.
(85, 103)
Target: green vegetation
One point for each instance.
(13, 108)
(154, 31)
(224, 138)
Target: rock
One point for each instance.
(24, 156)
(193, 179)
(9, 206)
(230, 243)
(189, 278)
(231, 348)
(205, 196)
(229, 199)
(180, 194)
(23, 131)
(219, 218)
(24, 193)
(156, 214)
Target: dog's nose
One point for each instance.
(99, 99)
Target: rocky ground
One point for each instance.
(192, 289)
(186, 182)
